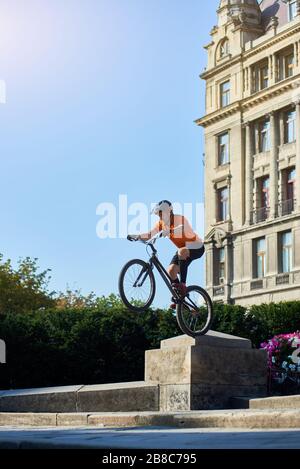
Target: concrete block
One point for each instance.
(239, 419)
(175, 397)
(280, 402)
(72, 420)
(141, 419)
(56, 399)
(210, 396)
(212, 338)
(168, 365)
(230, 366)
(28, 419)
(120, 397)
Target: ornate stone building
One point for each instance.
(252, 146)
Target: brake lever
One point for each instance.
(131, 239)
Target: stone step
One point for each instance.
(275, 402)
(211, 338)
(125, 397)
(249, 419)
(235, 419)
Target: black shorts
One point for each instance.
(194, 254)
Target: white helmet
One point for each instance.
(162, 206)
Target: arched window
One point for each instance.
(224, 48)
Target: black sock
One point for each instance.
(183, 265)
(176, 280)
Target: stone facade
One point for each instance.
(206, 372)
(252, 147)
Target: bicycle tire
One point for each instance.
(179, 313)
(123, 296)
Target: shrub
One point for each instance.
(259, 322)
(80, 346)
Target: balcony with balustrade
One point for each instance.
(260, 215)
(286, 207)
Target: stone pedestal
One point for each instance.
(206, 372)
(184, 374)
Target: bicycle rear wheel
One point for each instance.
(137, 285)
(195, 312)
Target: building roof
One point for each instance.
(237, 2)
(271, 8)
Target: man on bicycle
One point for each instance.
(189, 245)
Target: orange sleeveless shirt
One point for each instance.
(181, 236)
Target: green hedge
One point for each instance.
(257, 323)
(107, 343)
(61, 347)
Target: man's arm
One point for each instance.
(149, 235)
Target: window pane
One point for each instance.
(225, 93)
(265, 136)
(287, 238)
(292, 10)
(286, 251)
(261, 245)
(223, 204)
(289, 65)
(223, 149)
(221, 263)
(290, 127)
(260, 273)
(265, 192)
(260, 258)
(292, 175)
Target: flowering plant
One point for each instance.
(283, 354)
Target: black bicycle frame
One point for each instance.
(162, 271)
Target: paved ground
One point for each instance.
(148, 438)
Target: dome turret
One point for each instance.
(245, 11)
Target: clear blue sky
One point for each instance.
(101, 99)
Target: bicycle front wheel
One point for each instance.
(137, 285)
(195, 312)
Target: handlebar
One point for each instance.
(148, 241)
(153, 240)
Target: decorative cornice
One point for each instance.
(272, 41)
(249, 102)
(277, 89)
(218, 115)
(249, 53)
(223, 66)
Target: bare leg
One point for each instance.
(173, 271)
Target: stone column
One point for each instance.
(298, 155)
(273, 167)
(256, 138)
(216, 207)
(228, 182)
(296, 58)
(271, 64)
(228, 268)
(209, 258)
(248, 174)
(281, 124)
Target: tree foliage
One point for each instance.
(25, 288)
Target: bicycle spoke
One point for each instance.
(194, 312)
(137, 284)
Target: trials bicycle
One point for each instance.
(137, 287)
